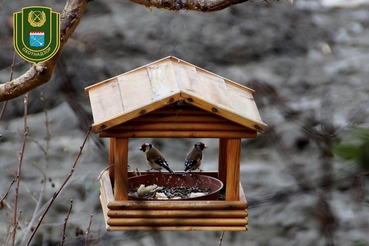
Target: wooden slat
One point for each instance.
(105, 211)
(181, 62)
(204, 118)
(116, 120)
(189, 80)
(106, 101)
(177, 228)
(134, 84)
(233, 147)
(180, 110)
(121, 169)
(242, 196)
(179, 134)
(207, 173)
(178, 126)
(225, 112)
(163, 80)
(106, 187)
(173, 205)
(214, 89)
(177, 222)
(177, 213)
(243, 102)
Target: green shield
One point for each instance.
(36, 34)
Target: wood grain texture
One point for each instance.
(106, 101)
(179, 126)
(169, 81)
(177, 222)
(177, 213)
(106, 188)
(181, 205)
(177, 228)
(105, 211)
(121, 169)
(172, 215)
(178, 134)
(233, 148)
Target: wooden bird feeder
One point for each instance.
(171, 98)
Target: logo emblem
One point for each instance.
(36, 34)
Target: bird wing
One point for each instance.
(163, 163)
(194, 160)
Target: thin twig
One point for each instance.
(7, 191)
(15, 227)
(61, 187)
(88, 230)
(221, 238)
(66, 222)
(21, 153)
(10, 79)
(38, 202)
(40, 199)
(39, 145)
(48, 133)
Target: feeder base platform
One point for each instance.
(192, 215)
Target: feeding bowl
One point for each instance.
(168, 180)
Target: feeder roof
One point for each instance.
(170, 81)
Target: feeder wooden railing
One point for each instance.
(172, 215)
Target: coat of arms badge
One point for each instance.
(36, 35)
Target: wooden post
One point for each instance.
(111, 158)
(121, 169)
(232, 158)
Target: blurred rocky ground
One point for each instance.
(308, 64)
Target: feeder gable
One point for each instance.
(169, 81)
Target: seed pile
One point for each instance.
(176, 192)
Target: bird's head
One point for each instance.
(145, 147)
(200, 146)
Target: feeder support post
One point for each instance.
(121, 169)
(229, 166)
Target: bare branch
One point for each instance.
(66, 222)
(88, 230)
(21, 153)
(6, 193)
(221, 239)
(196, 5)
(42, 73)
(11, 77)
(56, 194)
(70, 18)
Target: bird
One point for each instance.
(194, 158)
(154, 158)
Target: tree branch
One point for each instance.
(70, 18)
(196, 5)
(42, 73)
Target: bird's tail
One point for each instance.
(168, 169)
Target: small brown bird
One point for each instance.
(194, 158)
(154, 158)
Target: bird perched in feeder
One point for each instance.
(194, 158)
(154, 158)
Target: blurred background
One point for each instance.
(306, 179)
